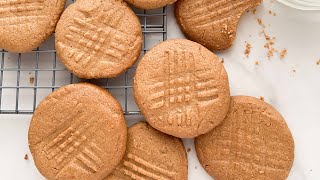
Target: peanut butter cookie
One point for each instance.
(212, 23)
(78, 132)
(253, 142)
(25, 24)
(182, 88)
(98, 39)
(151, 154)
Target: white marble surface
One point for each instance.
(295, 94)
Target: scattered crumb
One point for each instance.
(270, 42)
(31, 80)
(294, 70)
(248, 49)
(271, 52)
(222, 60)
(26, 157)
(267, 37)
(318, 62)
(254, 11)
(261, 98)
(283, 53)
(257, 62)
(188, 150)
(272, 13)
(259, 21)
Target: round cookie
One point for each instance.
(181, 88)
(25, 24)
(151, 154)
(150, 4)
(253, 142)
(98, 39)
(78, 132)
(212, 23)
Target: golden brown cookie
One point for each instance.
(181, 88)
(253, 142)
(212, 23)
(150, 4)
(25, 24)
(78, 132)
(151, 154)
(98, 39)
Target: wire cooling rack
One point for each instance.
(26, 79)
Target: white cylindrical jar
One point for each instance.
(302, 4)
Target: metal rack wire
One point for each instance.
(25, 79)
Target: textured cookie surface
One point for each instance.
(150, 4)
(78, 132)
(253, 142)
(25, 24)
(98, 39)
(181, 88)
(151, 154)
(212, 23)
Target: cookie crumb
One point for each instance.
(26, 157)
(270, 42)
(271, 53)
(31, 80)
(222, 60)
(272, 13)
(259, 21)
(248, 49)
(188, 150)
(257, 63)
(267, 37)
(254, 11)
(283, 54)
(261, 98)
(318, 62)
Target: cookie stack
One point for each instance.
(182, 89)
(185, 93)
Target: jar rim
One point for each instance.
(302, 4)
